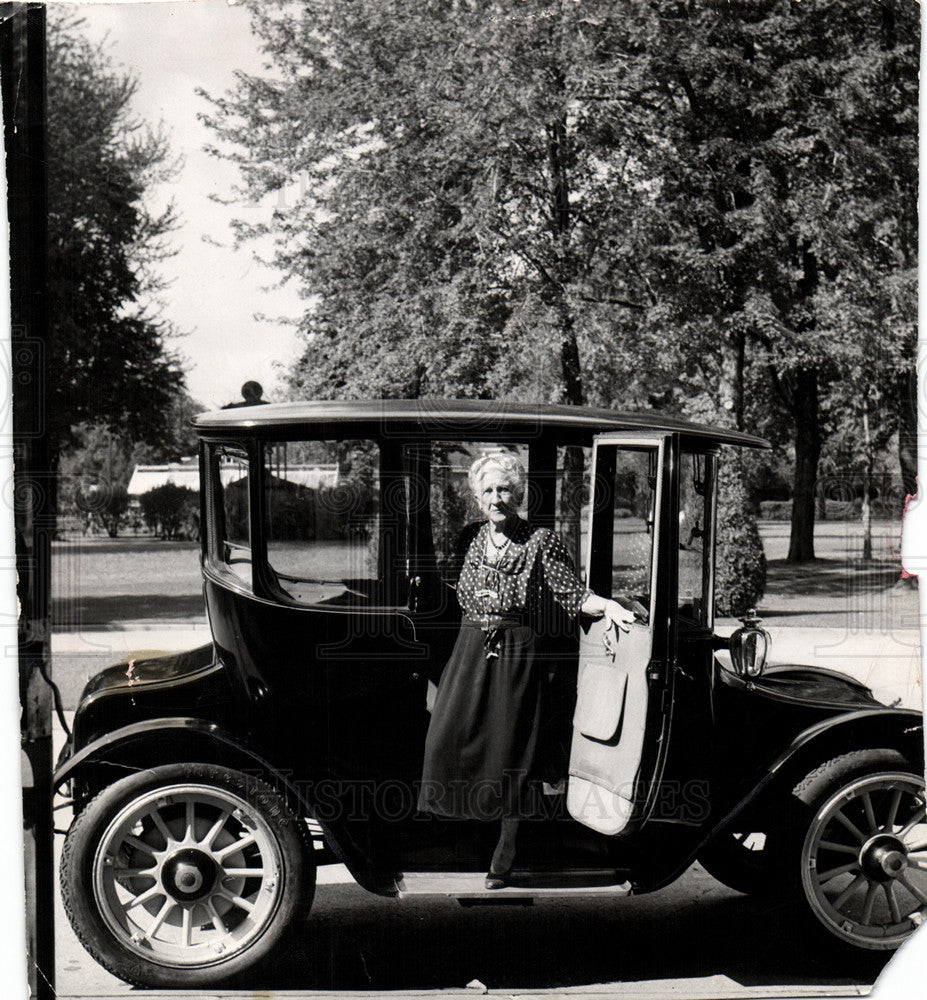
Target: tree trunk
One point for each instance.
(740, 350)
(866, 512)
(807, 454)
(907, 432)
(907, 448)
(571, 391)
(571, 372)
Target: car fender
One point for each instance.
(178, 739)
(901, 729)
(894, 728)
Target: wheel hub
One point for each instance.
(189, 875)
(883, 858)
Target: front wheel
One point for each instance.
(862, 852)
(185, 875)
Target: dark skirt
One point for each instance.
(482, 744)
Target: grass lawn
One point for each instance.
(839, 588)
(104, 581)
(101, 583)
(98, 582)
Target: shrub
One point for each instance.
(84, 504)
(835, 510)
(776, 510)
(171, 511)
(740, 578)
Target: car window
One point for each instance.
(442, 510)
(624, 524)
(232, 546)
(694, 535)
(321, 515)
(574, 466)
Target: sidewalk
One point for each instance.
(886, 660)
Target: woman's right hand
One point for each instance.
(619, 615)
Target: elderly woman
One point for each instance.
(483, 740)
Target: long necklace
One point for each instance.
(491, 573)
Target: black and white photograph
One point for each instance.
(460, 471)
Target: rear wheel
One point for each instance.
(185, 875)
(860, 855)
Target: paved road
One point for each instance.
(695, 939)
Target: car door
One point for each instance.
(623, 714)
(304, 592)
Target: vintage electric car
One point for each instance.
(208, 786)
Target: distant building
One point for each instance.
(148, 477)
(186, 473)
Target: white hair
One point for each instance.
(508, 463)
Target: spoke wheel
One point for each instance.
(185, 875)
(863, 858)
(188, 872)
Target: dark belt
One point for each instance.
(493, 626)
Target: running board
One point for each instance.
(524, 887)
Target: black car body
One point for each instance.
(331, 543)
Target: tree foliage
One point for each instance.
(666, 202)
(458, 212)
(781, 231)
(107, 359)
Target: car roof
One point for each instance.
(452, 417)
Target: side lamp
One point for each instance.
(749, 646)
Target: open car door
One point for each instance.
(624, 698)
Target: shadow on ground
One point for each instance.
(357, 942)
(90, 612)
(831, 577)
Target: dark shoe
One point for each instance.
(494, 880)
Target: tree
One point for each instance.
(112, 509)
(97, 464)
(588, 202)
(784, 182)
(458, 212)
(107, 359)
(94, 472)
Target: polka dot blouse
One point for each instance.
(534, 568)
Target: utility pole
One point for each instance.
(22, 60)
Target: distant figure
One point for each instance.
(252, 392)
